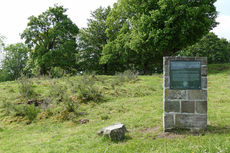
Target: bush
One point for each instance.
(87, 90)
(57, 72)
(31, 112)
(127, 76)
(22, 110)
(6, 108)
(57, 90)
(26, 88)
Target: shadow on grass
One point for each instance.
(126, 138)
(180, 133)
(217, 130)
(218, 68)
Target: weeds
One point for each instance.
(86, 89)
(26, 88)
(31, 112)
(6, 108)
(57, 90)
(127, 76)
(22, 110)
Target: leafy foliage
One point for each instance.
(15, 59)
(87, 90)
(52, 39)
(141, 32)
(91, 42)
(26, 88)
(217, 50)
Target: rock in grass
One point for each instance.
(115, 132)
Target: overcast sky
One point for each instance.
(14, 14)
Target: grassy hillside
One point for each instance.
(135, 102)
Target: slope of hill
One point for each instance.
(135, 102)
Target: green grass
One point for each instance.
(138, 104)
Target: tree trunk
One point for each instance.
(105, 68)
(146, 68)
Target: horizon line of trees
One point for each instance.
(134, 34)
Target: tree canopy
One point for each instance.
(92, 40)
(52, 39)
(15, 59)
(144, 31)
(215, 49)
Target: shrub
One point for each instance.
(87, 90)
(57, 90)
(127, 76)
(6, 107)
(71, 104)
(26, 88)
(31, 112)
(23, 110)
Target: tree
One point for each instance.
(148, 30)
(52, 39)
(1, 48)
(215, 49)
(14, 62)
(91, 41)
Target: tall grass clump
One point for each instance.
(87, 89)
(127, 76)
(26, 88)
(19, 110)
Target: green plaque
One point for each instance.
(185, 75)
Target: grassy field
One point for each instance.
(137, 103)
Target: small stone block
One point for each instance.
(204, 82)
(200, 95)
(175, 94)
(168, 121)
(172, 106)
(204, 70)
(202, 59)
(116, 132)
(166, 82)
(189, 121)
(187, 107)
(201, 107)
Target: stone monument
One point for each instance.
(185, 93)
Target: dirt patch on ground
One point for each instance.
(170, 135)
(151, 130)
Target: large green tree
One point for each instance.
(215, 49)
(143, 31)
(15, 59)
(52, 39)
(91, 42)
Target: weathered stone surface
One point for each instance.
(185, 58)
(191, 121)
(116, 132)
(166, 82)
(202, 59)
(175, 94)
(199, 95)
(204, 70)
(201, 107)
(168, 121)
(204, 82)
(172, 106)
(165, 67)
(187, 106)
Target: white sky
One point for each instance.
(14, 14)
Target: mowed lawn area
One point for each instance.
(137, 103)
